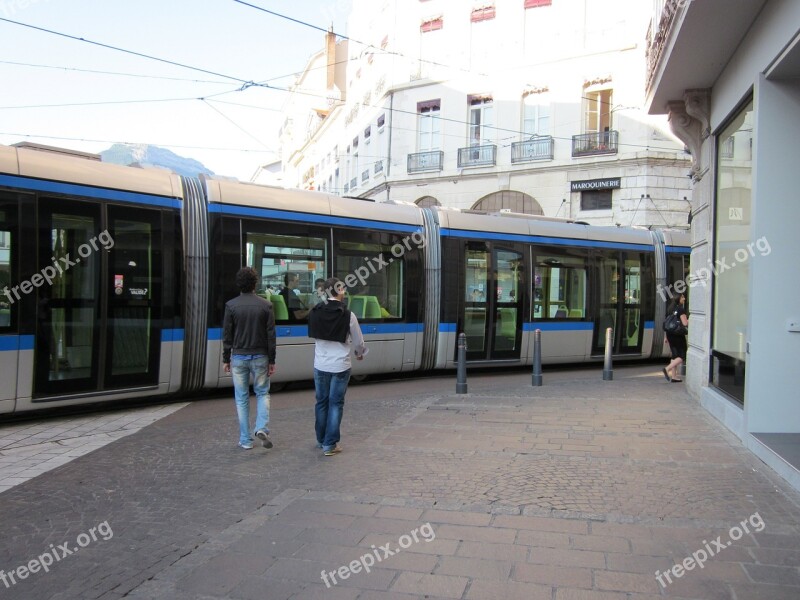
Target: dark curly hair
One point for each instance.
(246, 279)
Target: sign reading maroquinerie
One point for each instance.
(596, 184)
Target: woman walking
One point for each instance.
(676, 339)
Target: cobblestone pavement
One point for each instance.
(577, 490)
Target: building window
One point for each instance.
(535, 115)
(514, 201)
(428, 126)
(427, 202)
(537, 3)
(481, 120)
(367, 134)
(381, 121)
(732, 233)
(431, 25)
(482, 14)
(355, 143)
(596, 200)
(597, 114)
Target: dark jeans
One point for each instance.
(331, 388)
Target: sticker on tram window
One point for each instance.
(119, 283)
(138, 291)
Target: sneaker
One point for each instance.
(246, 446)
(332, 451)
(264, 437)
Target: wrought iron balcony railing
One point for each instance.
(425, 161)
(536, 148)
(477, 156)
(600, 142)
(365, 175)
(354, 183)
(378, 166)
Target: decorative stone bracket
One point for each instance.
(689, 120)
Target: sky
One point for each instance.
(52, 94)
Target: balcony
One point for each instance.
(537, 148)
(425, 161)
(600, 142)
(477, 156)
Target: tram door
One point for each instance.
(492, 317)
(97, 315)
(618, 298)
(68, 315)
(134, 293)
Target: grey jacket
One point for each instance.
(248, 327)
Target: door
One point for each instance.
(618, 298)
(133, 285)
(98, 309)
(492, 316)
(68, 308)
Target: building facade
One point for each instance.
(530, 106)
(738, 111)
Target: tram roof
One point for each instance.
(304, 201)
(51, 165)
(502, 226)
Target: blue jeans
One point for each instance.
(241, 370)
(331, 388)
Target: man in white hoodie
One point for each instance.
(336, 332)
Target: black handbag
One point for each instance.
(673, 325)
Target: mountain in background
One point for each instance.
(146, 155)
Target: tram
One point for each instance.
(113, 280)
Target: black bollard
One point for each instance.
(608, 372)
(461, 373)
(537, 358)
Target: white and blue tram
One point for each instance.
(113, 280)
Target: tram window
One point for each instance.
(289, 266)
(6, 295)
(374, 278)
(559, 287)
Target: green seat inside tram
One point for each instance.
(5, 317)
(279, 307)
(365, 307)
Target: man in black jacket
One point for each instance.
(248, 346)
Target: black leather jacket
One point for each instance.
(248, 327)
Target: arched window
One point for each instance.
(517, 202)
(427, 202)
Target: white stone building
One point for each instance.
(533, 106)
(738, 110)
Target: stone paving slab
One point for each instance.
(31, 448)
(580, 489)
